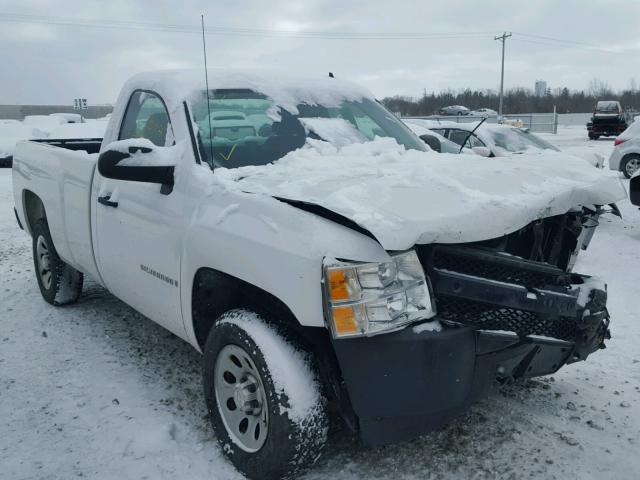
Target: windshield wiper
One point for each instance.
(471, 133)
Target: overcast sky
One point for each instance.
(48, 63)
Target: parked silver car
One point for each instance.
(626, 151)
(454, 110)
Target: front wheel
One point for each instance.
(263, 398)
(630, 165)
(59, 282)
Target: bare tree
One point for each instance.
(599, 88)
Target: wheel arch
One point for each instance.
(34, 209)
(215, 292)
(625, 158)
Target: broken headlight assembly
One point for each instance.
(365, 299)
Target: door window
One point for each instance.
(147, 117)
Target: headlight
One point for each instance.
(371, 298)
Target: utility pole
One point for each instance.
(502, 37)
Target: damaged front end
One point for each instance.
(520, 289)
(505, 308)
(502, 309)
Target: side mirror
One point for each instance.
(433, 142)
(136, 160)
(634, 190)
(482, 151)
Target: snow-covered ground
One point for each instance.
(96, 390)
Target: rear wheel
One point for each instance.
(59, 282)
(263, 398)
(630, 165)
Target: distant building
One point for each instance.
(18, 112)
(540, 88)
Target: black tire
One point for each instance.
(293, 441)
(624, 163)
(63, 283)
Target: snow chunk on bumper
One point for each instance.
(404, 197)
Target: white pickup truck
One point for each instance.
(315, 251)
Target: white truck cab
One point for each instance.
(303, 239)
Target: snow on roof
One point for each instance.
(632, 130)
(287, 91)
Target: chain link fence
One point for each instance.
(536, 122)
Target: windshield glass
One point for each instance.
(237, 127)
(447, 146)
(516, 140)
(607, 107)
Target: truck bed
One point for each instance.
(89, 145)
(61, 178)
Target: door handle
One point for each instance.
(106, 201)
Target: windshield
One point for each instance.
(237, 127)
(516, 140)
(607, 107)
(447, 146)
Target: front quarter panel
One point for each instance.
(271, 245)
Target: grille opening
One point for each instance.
(492, 317)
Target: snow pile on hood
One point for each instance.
(404, 197)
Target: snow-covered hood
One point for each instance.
(404, 197)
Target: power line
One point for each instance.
(577, 46)
(559, 40)
(306, 34)
(218, 30)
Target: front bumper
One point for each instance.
(514, 321)
(405, 384)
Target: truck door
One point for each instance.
(139, 231)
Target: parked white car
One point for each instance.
(330, 258)
(440, 144)
(500, 140)
(626, 151)
(69, 117)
